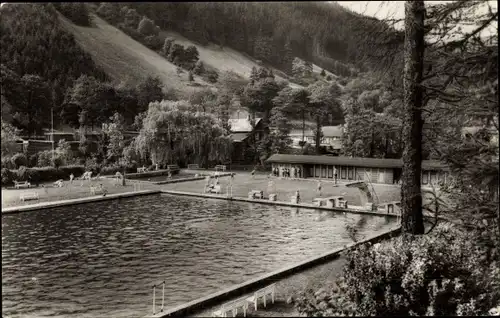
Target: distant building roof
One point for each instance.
(242, 125)
(332, 131)
(348, 161)
(239, 136)
(63, 133)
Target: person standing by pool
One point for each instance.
(71, 177)
(319, 188)
(335, 174)
(297, 195)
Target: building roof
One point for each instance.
(239, 136)
(332, 131)
(328, 131)
(242, 124)
(348, 161)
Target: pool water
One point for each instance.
(101, 259)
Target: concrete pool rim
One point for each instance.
(62, 203)
(249, 286)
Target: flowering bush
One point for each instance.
(437, 274)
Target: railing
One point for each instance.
(162, 298)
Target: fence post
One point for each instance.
(163, 297)
(154, 299)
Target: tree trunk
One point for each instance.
(303, 127)
(318, 134)
(411, 193)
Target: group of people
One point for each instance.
(293, 172)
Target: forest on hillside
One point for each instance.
(43, 68)
(272, 32)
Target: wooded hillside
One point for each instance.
(273, 32)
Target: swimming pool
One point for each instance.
(101, 259)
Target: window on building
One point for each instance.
(323, 171)
(316, 173)
(425, 177)
(359, 173)
(343, 172)
(350, 173)
(434, 177)
(330, 171)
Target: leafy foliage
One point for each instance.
(9, 138)
(18, 160)
(437, 274)
(271, 33)
(75, 11)
(35, 50)
(172, 132)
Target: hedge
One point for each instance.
(43, 174)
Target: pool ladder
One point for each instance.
(162, 297)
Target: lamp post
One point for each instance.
(52, 134)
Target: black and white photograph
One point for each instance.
(250, 159)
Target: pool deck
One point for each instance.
(351, 209)
(95, 198)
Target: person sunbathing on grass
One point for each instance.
(59, 183)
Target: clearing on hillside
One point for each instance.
(123, 58)
(225, 59)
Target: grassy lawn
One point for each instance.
(123, 58)
(10, 196)
(243, 183)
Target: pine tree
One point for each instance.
(411, 192)
(254, 75)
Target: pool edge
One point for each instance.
(61, 203)
(251, 285)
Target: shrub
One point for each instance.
(328, 77)
(44, 158)
(147, 27)
(212, 76)
(111, 170)
(436, 274)
(19, 159)
(190, 76)
(6, 163)
(22, 174)
(92, 165)
(33, 160)
(7, 177)
(153, 42)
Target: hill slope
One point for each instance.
(123, 58)
(226, 59)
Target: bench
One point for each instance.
(59, 183)
(193, 166)
(232, 307)
(256, 194)
(319, 201)
(96, 190)
(262, 293)
(29, 196)
(22, 184)
(220, 167)
(141, 170)
(173, 167)
(216, 189)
